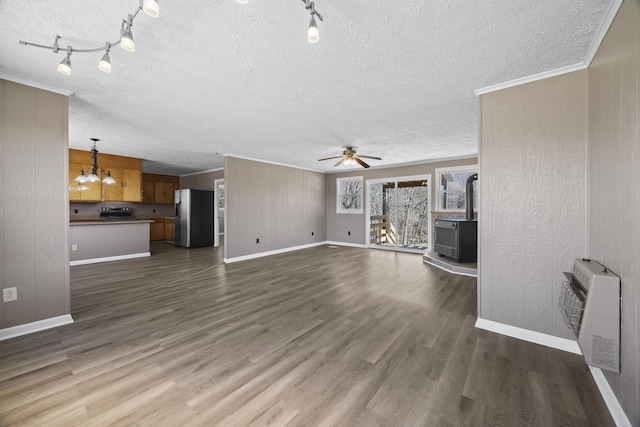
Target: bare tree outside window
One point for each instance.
(349, 191)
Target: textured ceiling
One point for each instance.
(394, 79)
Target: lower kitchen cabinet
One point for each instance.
(169, 229)
(162, 229)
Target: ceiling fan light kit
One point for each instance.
(350, 158)
(126, 42)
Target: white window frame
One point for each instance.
(356, 210)
(439, 190)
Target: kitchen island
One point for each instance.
(101, 241)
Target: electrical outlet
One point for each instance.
(9, 294)
(312, 233)
(257, 240)
(348, 233)
(74, 248)
(75, 211)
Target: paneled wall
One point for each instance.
(614, 185)
(533, 199)
(34, 210)
(339, 225)
(281, 206)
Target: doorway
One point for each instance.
(218, 217)
(399, 213)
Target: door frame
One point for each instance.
(367, 211)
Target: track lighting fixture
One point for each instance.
(151, 8)
(64, 67)
(126, 42)
(95, 169)
(105, 63)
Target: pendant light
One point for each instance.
(109, 179)
(82, 178)
(95, 169)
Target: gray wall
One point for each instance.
(338, 225)
(201, 181)
(533, 199)
(614, 188)
(34, 210)
(279, 205)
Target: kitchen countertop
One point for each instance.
(99, 222)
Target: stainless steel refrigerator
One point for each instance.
(194, 218)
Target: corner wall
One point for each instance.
(533, 201)
(201, 181)
(34, 215)
(281, 206)
(614, 185)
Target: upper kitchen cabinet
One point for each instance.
(159, 188)
(126, 171)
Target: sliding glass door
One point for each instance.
(399, 213)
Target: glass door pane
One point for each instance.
(382, 211)
(412, 223)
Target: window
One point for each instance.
(451, 187)
(349, 195)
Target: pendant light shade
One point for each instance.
(105, 63)
(82, 178)
(93, 176)
(313, 34)
(151, 8)
(109, 179)
(242, 1)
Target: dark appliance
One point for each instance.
(458, 238)
(116, 214)
(194, 218)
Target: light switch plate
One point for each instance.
(9, 294)
(74, 248)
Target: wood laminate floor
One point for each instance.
(323, 336)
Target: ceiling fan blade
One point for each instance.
(341, 161)
(363, 164)
(329, 158)
(369, 157)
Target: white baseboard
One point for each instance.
(274, 252)
(40, 325)
(528, 335)
(109, 258)
(609, 397)
(351, 245)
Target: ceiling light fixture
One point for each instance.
(95, 169)
(105, 63)
(150, 7)
(64, 67)
(313, 34)
(126, 42)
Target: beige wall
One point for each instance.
(532, 199)
(281, 206)
(338, 225)
(34, 210)
(201, 181)
(614, 185)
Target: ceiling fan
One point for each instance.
(349, 157)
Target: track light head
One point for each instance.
(242, 1)
(151, 8)
(313, 34)
(126, 36)
(105, 63)
(64, 67)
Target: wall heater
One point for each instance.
(590, 304)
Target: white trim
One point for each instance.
(614, 7)
(274, 252)
(609, 397)
(271, 163)
(36, 85)
(451, 268)
(531, 78)
(529, 335)
(109, 258)
(39, 325)
(201, 172)
(402, 165)
(351, 245)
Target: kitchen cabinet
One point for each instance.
(169, 229)
(156, 232)
(159, 188)
(127, 172)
